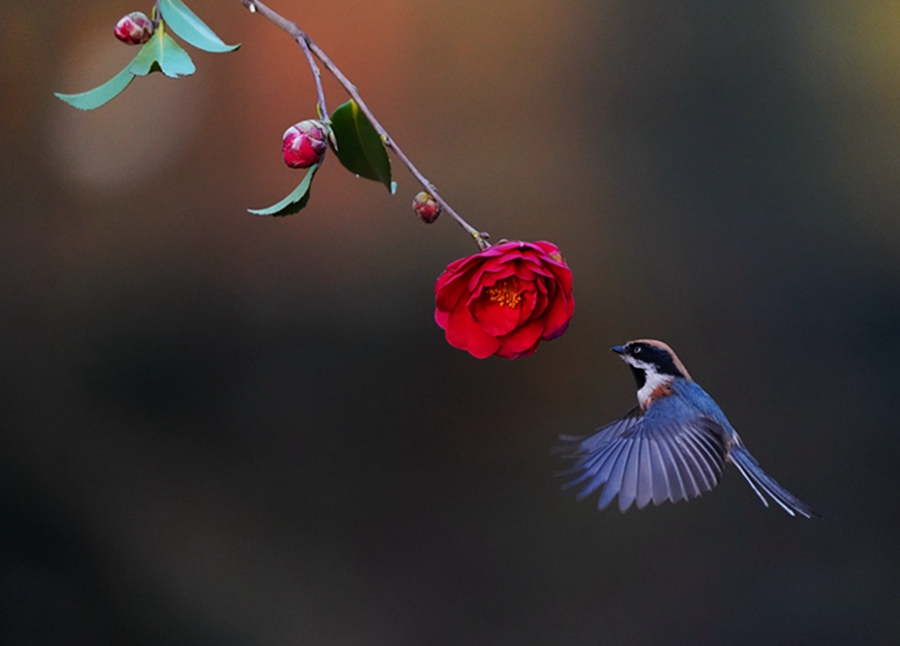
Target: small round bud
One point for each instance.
(134, 29)
(426, 207)
(304, 144)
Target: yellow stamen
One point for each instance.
(503, 293)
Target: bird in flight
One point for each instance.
(672, 446)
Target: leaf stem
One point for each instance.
(310, 49)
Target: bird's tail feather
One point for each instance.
(761, 482)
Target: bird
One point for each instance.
(672, 446)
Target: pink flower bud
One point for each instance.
(304, 144)
(426, 207)
(134, 29)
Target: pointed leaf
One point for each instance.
(162, 53)
(186, 24)
(293, 202)
(99, 95)
(360, 148)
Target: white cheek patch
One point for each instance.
(654, 381)
(637, 363)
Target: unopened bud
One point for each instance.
(304, 144)
(134, 29)
(426, 207)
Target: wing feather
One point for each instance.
(614, 482)
(645, 475)
(648, 458)
(588, 467)
(677, 489)
(662, 489)
(600, 468)
(712, 445)
(683, 468)
(705, 460)
(630, 475)
(693, 464)
(607, 432)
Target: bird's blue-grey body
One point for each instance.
(672, 446)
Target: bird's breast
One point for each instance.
(658, 392)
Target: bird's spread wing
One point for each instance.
(644, 458)
(600, 437)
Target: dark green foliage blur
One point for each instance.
(225, 429)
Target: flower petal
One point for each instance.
(522, 342)
(494, 318)
(527, 304)
(558, 316)
(464, 333)
(449, 291)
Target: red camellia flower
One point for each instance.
(505, 300)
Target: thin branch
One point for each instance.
(320, 108)
(308, 46)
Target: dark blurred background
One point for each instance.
(225, 429)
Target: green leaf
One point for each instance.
(99, 95)
(162, 53)
(359, 146)
(293, 202)
(159, 54)
(186, 24)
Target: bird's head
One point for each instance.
(652, 362)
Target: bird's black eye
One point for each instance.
(636, 349)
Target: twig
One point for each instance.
(310, 49)
(321, 109)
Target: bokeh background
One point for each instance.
(225, 429)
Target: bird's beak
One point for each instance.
(618, 349)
